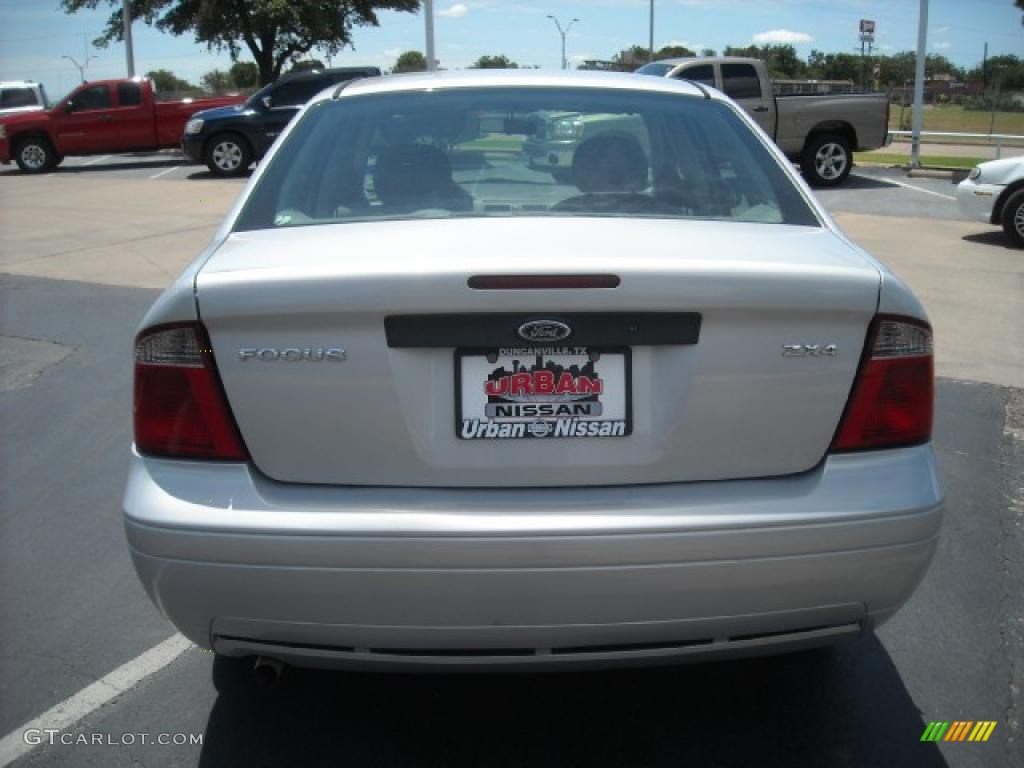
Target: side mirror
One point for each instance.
(68, 107)
(267, 101)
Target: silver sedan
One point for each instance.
(420, 404)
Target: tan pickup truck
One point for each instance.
(819, 132)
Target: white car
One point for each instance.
(420, 405)
(993, 192)
(22, 96)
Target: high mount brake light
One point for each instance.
(180, 409)
(892, 400)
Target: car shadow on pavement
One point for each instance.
(845, 706)
(207, 176)
(857, 181)
(995, 237)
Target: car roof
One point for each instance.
(708, 59)
(311, 73)
(17, 83)
(512, 78)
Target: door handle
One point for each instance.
(106, 118)
(760, 109)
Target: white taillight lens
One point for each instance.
(892, 400)
(180, 409)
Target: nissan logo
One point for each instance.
(544, 330)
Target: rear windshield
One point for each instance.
(468, 152)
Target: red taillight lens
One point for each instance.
(893, 396)
(180, 408)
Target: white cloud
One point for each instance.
(782, 36)
(392, 52)
(942, 45)
(455, 11)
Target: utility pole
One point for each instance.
(922, 49)
(563, 33)
(650, 39)
(428, 10)
(128, 50)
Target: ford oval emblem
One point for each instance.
(544, 330)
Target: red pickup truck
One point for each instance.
(100, 117)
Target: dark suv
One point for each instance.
(230, 139)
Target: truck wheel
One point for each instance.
(826, 160)
(35, 155)
(1013, 218)
(227, 155)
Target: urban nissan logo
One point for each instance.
(544, 330)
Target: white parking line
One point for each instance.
(165, 171)
(908, 186)
(93, 696)
(99, 159)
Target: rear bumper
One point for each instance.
(5, 151)
(557, 577)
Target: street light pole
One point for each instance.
(563, 33)
(82, 66)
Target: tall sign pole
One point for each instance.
(922, 49)
(867, 37)
(428, 10)
(128, 51)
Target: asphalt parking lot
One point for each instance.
(84, 251)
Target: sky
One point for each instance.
(35, 34)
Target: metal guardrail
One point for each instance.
(998, 138)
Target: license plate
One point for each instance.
(553, 392)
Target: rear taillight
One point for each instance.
(180, 409)
(892, 399)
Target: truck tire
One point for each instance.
(826, 160)
(1013, 218)
(35, 154)
(227, 154)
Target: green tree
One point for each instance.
(834, 66)
(1008, 69)
(274, 31)
(673, 52)
(631, 58)
(708, 52)
(501, 61)
(782, 60)
(410, 61)
(306, 64)
(244, 74)
(167, 82)
(217, 81)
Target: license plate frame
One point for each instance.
(619, 420)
